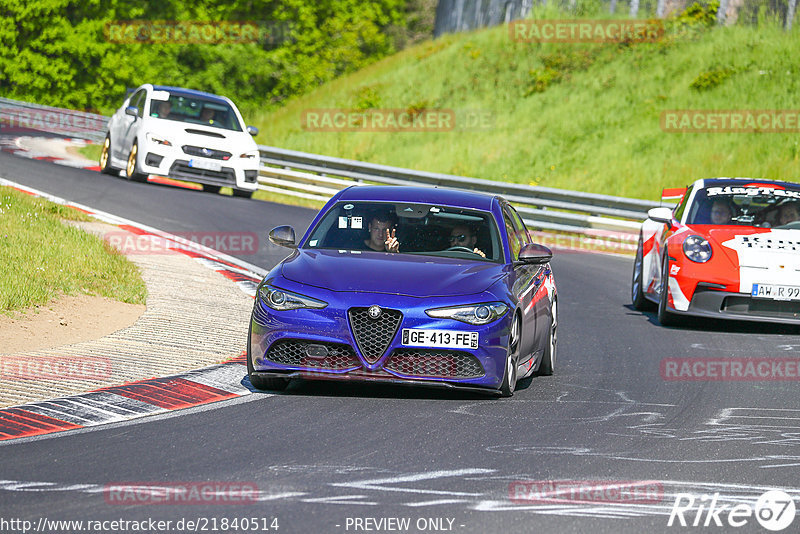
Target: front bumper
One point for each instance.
(173, 162)
(365, 377)
(707, 302)
(306, 330)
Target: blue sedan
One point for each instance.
(407, 285)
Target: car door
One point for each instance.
(527, 278)
(129, 125)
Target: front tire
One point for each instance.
(638, 299)
(548, 364)
(509, 383)
(664, 316)
(105, 158)
(132, 169)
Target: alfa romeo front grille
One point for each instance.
(434, 363)
(373, 336)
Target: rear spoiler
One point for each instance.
(673, 196)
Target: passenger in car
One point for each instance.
(463, 236)
(382, 236)
(788, 212)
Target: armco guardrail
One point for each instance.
(317, 177)
(21, 116)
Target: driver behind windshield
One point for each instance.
(721, 212)
(463, 236)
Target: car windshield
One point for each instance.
(422, 229)
(195, 110)
(762, 205)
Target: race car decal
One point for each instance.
(753, 191)
(676, 297)
(767, 258)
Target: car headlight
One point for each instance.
(697, 248)
(280, 299)
(249, 155)
(474, 314)
(158, 140)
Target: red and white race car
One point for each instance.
(729, 249)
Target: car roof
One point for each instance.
(190, 92)
(428, 195)
(721, 182)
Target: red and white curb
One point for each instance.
(129, 401)
(16, 146)
(146, 397)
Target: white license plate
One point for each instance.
(207, 165)
(448, 339)
(775, 292)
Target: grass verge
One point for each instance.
(42, 258)
(91, 152)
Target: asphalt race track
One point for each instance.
(331, 457)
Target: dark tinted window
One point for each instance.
(423, 229)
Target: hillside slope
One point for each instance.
(576, 116)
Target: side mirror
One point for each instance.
(133, 111)
(660, 215)
(252, 130)
(283, 236)
(533, 253)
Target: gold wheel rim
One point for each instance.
(104, 154)
(132, 161)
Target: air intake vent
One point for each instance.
(204, 132)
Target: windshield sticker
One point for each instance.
(355, 222)
(313, 242)
(752, 191)
(342, 222)
(348, 207)
(435, 210)
(159, 95)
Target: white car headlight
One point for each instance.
(280, 299)
(158, 140)
(477, 314)
(250, 155)
(697, 248)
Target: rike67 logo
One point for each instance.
(774, 510)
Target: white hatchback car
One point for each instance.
(182, 134)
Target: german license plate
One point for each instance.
(775, 292)
(207, 165)
(446, 339)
